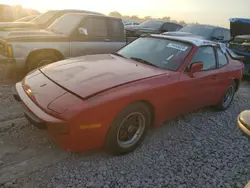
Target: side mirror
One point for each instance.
(83, 31)
(195, 67)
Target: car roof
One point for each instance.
(242, 20)
(87, 14)
(163, 21)
(207, 25)
(192, 40)
(77, 11)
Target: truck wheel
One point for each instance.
(227, 97)
(41, 59)
(128, 129)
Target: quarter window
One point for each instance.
(222, 59)
(207, 56)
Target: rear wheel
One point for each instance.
(41, 59)
(128, 129)
(227, 98)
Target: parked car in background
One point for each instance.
(208, 32)
(74, 34)
(244, 122)
(151, 27)
(240, 44)
(113, 99)
(6, 13)
(26, 19)
(40, 22)
(130, 22)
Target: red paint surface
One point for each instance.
(110, 83)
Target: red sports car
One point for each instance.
(112, 99)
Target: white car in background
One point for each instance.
(130, 22)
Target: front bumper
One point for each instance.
(4, 59)
(242, 125)
(14, 63)
(36, 116)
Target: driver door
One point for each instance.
(95, 42)
(202, 89)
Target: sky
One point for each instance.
(215, 12)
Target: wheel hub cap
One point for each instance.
(131, 129)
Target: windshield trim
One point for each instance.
(73, 29)
(175, 40)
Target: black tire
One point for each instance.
(41, 59)
(112, 144)
(224, 105)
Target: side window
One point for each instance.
(97, 27)
(207, 56)
(115, 28)
(226, 34)
(166, 27)
(222, 59)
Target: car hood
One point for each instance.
(89, 75)
(179, 33)
(7, 25)
(36, 35)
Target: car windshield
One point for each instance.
(162, 53)
(152, 24)
(45, 17)
(201, 30)
(65, 24)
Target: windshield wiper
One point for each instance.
(142, 61)
(119, 55)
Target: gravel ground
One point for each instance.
(201, 149)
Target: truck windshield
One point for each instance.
(66, 24)
(201, 30)
(152, 24)
(45, 17)
(162, 53)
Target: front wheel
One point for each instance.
(41, 59)
(227, 97)
(128, 129)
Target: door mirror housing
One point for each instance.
(83, 31)
(195, 67)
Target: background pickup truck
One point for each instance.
(72, 35)
(40, 22)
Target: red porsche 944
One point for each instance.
(111, 100)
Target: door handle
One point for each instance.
(107, 40)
